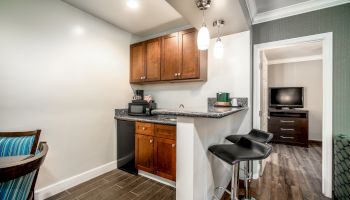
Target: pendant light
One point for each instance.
(219, 47)
(203, 38)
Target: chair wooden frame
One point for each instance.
(36, 133)
(23, 167)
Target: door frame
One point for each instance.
(327, 82)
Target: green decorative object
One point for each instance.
(223, 97)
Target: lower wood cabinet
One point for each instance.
(165, 158)
(144, 149)
(155, 149)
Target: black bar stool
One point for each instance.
(255, 135)
(243, 150)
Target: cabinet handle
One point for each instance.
(287, 129)
(178, 74)
(143, 128)
(175, 74)
(284, 121)
(150, 141)
(173, 145)
(287, 137)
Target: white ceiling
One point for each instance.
(310, 49)
(229, 10)
(151, 17)
(267, 10)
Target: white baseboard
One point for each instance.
(65, 184)
(158, 178)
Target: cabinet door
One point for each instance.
(189, 54)
(153, 59)
(137, 66)
(165, 158)
(144, 152)
(170, 57)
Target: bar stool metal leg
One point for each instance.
(246, 180)
(261, 168)
(234, 182)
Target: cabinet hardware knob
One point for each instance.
(287, 137)
(173, 145)
(175, 74)
(287, 129)
(179, 74)
(143, 128)
(150, 141)
(285, 121)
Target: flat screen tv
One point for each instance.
(286, 97)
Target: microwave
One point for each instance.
(141, 108)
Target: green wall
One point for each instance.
(336, 20)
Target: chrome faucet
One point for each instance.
(181, 106)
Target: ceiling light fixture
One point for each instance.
(203, 38)
(133, 4)
(219, 47)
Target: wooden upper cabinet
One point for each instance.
(189, 55)
(170, 57)
(153, 59)
(137, 66)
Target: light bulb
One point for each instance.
(203, 38)
(218, 49)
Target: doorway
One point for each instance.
(261, 85)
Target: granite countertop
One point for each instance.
(205, 112)
(122, 114)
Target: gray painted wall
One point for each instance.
(336, 20)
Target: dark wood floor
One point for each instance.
(291, 173)
(118, 185)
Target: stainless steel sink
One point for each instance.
(170, 119)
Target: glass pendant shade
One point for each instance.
(203, 38)
(218, 49)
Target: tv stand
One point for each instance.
(289, 126)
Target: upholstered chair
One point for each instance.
(19, 143)
(18, 177)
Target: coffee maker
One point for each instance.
(138, 96)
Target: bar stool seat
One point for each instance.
(234, 153)
(254, 134)
(243, 150)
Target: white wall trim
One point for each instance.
(295, 59)
(327, 117)
(157, 178)
(296, 9)
(65, 184)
